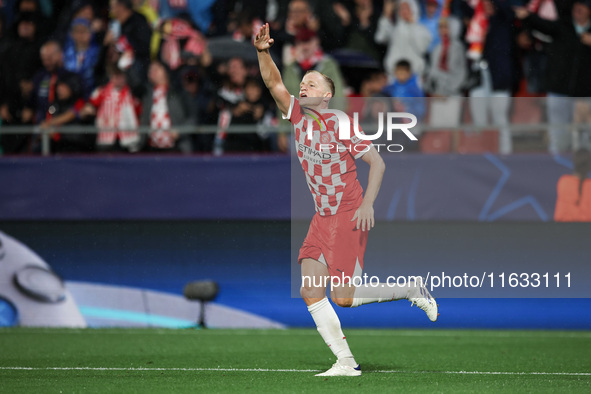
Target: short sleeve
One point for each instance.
(357, 146)
(294, 114)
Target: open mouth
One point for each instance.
(303, 95)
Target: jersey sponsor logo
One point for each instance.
(313, 155)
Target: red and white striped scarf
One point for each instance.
(160, 123)
(116, 116)
(175, 30)
(477, 30)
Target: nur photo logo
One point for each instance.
(386, 121)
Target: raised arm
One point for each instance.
(269, 70)
(551, 28)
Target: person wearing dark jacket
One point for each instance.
(493, 96)
(19, 61)
(569, 64)
(131, 34)
(44, 93)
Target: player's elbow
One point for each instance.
(378, 163)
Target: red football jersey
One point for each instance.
(327, 160)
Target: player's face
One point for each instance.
(313, 89)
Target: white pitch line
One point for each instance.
(141, 369)
(280, 332)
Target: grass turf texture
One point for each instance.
(167, 361)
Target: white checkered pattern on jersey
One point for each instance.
(328, 162)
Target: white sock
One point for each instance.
(368, 294)
(329, 327)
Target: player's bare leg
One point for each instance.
(314, 282)
(414, 291)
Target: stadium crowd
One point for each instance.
(167, 64)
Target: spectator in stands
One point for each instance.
(81, 54)
(299, 16)
(246, 27)
(360, 20)
(406, 37)
(430, 15)
(199, 11)
(532, 45)
(249, 111)
(229, 96)
(361, 102)
(447, 75)
(183, 45)
(43, 94)
(146, 8)
(569, 62)
(116, 112)
(132, 40)
(226, 14)
(492, 97)
(573, 200)
(19, 61)
(64, 111)
(234, 77)
(308, 55)
(200, 97)
(332, 32)
(406, 88)
(82, 9)
(163, 109)
(45, 26)
(409, 97)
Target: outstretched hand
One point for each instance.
(263, 40)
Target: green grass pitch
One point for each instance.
(36, 360)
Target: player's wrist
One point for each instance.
(366, 204)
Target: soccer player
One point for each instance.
(335, 244)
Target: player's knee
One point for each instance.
(311, 292)
(342, 302)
